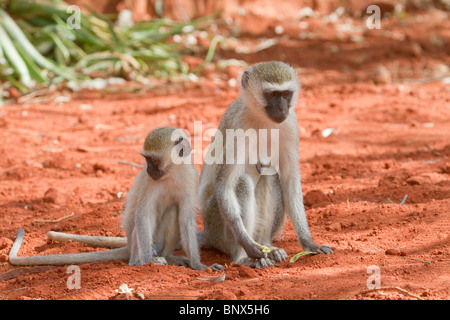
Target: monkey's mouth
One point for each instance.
(155, 174)
(278, 117)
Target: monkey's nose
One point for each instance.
(283, 109)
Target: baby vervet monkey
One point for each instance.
(160, 213)
(243, 207)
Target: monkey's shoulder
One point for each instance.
(230, 115)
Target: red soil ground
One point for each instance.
(59, 168)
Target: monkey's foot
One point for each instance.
(178, 261)
(312, 247)
(216, 267)
(325, 249)
(256, 263)
(277, 254)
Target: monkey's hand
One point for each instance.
(325, 249)
(216, 267)
(254, 250)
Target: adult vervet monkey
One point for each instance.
(243, 209)
(159, 213)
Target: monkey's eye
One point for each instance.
(286, 94)
(272, 94)
(152, 161)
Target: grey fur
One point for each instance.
(159, 215)
(242, 210)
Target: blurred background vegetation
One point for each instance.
(40, 44)
(134, 40)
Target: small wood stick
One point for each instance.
(137, 165)
(392, 288)
(56, 220)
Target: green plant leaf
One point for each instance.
(300, 254)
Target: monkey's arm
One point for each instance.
(62, 259)
(293, 202)
(231, 210)
(98, 241)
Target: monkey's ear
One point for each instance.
(244, 79)
(180, 139)
(182, 147)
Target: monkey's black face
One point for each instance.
(153, 170)
(277, 104)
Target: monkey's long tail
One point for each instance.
(98, 241)
(62, 259)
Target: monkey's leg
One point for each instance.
(98, 241)
(246, 198)
(61, 259)
(218, 234)
(229, 193)
(213, 235)
(270, 213)
(167, 237)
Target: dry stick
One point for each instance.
(434, 152)
(17, 272)
(56, 220)
(383, 250)
(137, 165)
(415, 259)
(4, 293)
(392, 288)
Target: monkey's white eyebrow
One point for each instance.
(147, 155)
(290, 85)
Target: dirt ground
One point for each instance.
(377, 189)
